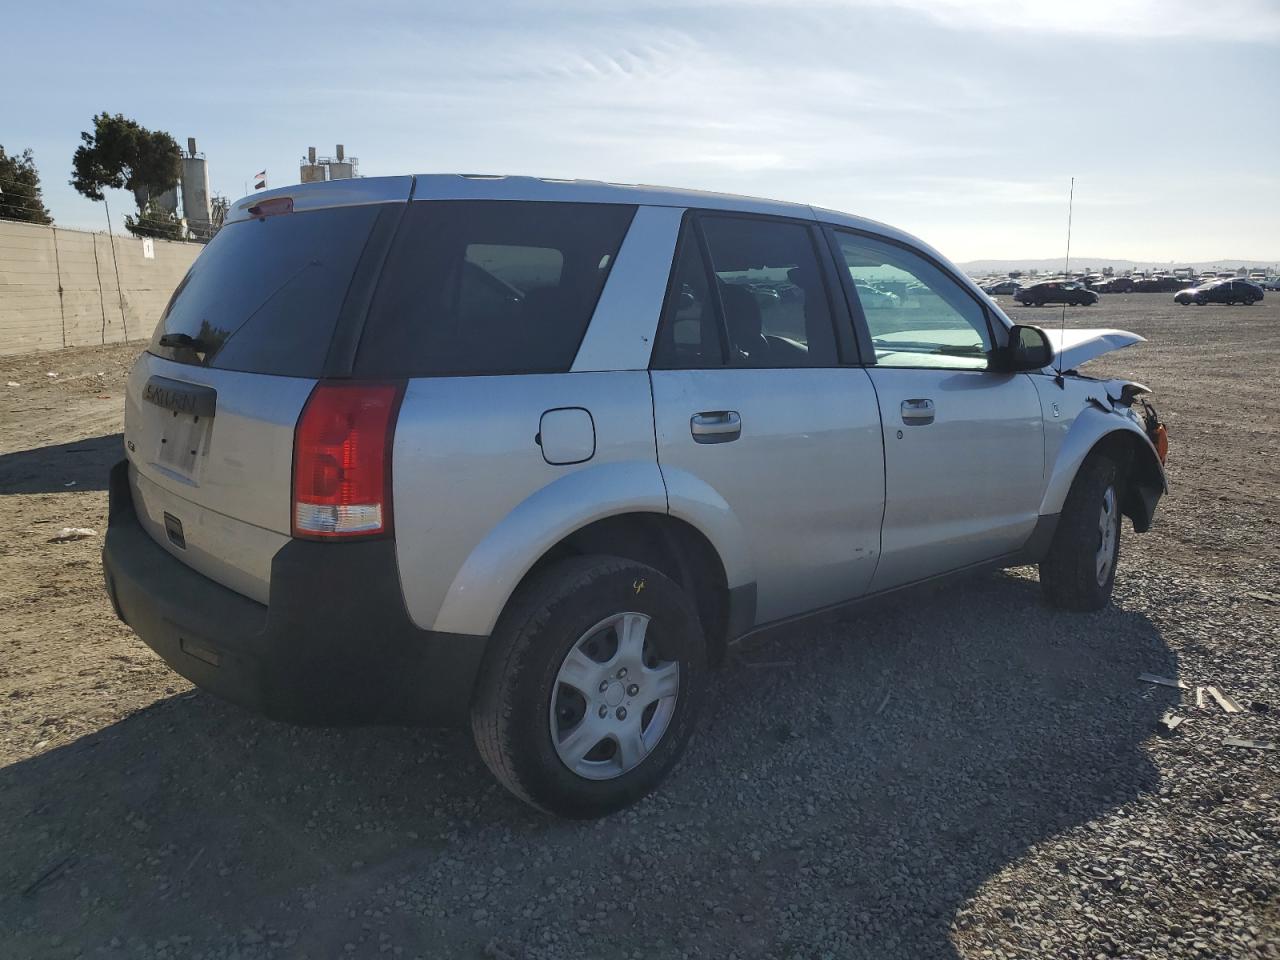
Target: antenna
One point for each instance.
(1066, 277)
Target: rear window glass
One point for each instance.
(490, 287)
(264, 296)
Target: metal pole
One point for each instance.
(124, 324)
(57, 265)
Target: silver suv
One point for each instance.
(533, 452)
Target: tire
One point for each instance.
(1072, 574)
(566, 608)
(1248, 301)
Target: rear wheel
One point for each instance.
(1079, 571)
(591, 686)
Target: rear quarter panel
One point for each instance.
(476, 504)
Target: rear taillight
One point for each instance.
(342, 460)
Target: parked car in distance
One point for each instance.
(1115, 285)
(1002, 288)
(1271, 283)
(1221, 291)
(1159, 284)
(1056, 291)
(529, 454)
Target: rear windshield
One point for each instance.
(489, 287)
(264, 296)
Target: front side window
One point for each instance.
(918, 316)
(490, 287)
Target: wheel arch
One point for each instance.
(670, 545)
(613, 510)
(1095, 432)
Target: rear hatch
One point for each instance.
(267, 309)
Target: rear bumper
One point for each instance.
(334, 645)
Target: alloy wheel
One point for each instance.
(613, 699)
(1108, 536)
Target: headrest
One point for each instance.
(741, 314)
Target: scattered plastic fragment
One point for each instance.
(14, 383)
(1163, 681)
(67, 534)
(51, 375)
(1169, 723)
(1200, 698)
(51, 873)
(70, 483)
(1226, 702)
(1249, 744)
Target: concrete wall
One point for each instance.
(36, 260)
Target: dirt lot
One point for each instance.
(970, 774)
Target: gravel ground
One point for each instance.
(966, 773)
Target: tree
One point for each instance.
(122, 153)
(154, 221)
(20, 197)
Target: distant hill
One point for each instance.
(986, 267)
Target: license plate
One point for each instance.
(182, 442)
(184, 431)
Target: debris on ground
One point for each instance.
(1250, 744)
(1265, 597)
(1169, 723)
(1225, 701)
(67, 534)
(14, 383)
(1199, 698)
(51, 873)
(1163, 681)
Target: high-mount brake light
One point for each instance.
(342, 460)
(272, 207)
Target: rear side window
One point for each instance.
(490, 287)
(689, 334)
(762, 294)
(775, 302)
(264, 296)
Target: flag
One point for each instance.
(260, 180)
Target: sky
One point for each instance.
(961, 121)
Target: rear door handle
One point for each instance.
(715, 426)
(916, 413)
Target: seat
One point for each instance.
(745, 323)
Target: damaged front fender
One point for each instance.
(1105, 424)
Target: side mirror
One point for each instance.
(1029, 349)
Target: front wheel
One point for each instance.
(1079, 571)
(590, 687)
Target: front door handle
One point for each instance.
(715, 426)
(916, 413)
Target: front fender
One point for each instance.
(495, 567)
(1091, 427)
